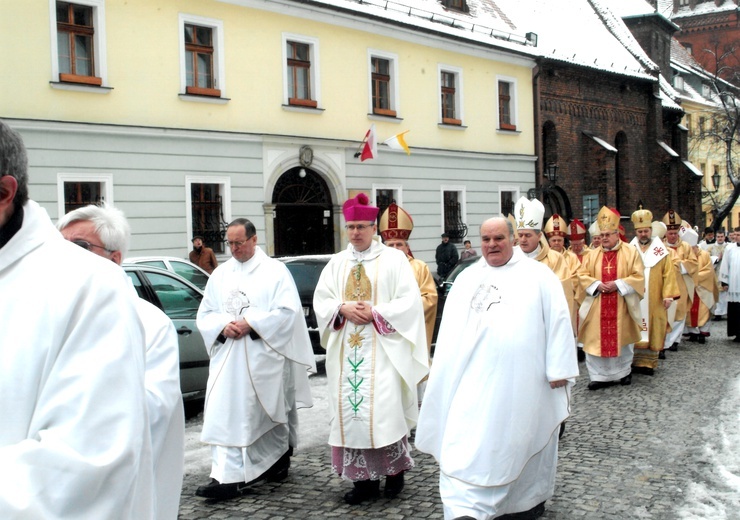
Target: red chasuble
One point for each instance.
(609, 303)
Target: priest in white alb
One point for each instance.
(252, 323)
(500, 384)
(371, 321)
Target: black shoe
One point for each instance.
(737, 339)
(581, 355)
(643, 370)
(214, 489)
(674, 347)
(363, 490)
(626, 380)
(717, 318)
(463, 518)
(693, 338)
(279, 471)
(661, 354)
(701, 339)
(393, 485)
(595, 385)
(532, 514)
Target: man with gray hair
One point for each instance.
(104, 231)
(75, 438)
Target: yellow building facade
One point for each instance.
(137, 102)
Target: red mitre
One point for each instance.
(577, 230)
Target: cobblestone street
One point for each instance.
(652, 450)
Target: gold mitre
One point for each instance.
(672, 220)
(608, 219)
(395, 223)
(556, 226)
(642, 218)
(529, 214)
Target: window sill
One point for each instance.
(385, 119)
(204, 99)
(448, 126)
(305, 110)
(508, 132)
(80, 87)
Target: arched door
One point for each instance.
(304, 224)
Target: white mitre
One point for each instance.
(529, 214)
(659, 229)
(691, 237)
(593, 229)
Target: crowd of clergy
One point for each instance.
(90, 374)
(631, 301)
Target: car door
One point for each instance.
(180, 302)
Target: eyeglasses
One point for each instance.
(358, 227)
(84, 244)
(240, 243)
(606, 235)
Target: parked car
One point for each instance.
(306, 271)
(184, 268)
(443, 289)
(179, 299)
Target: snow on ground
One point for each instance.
(718, 497)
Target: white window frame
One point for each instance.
(462, 190)
(225, 190)
(100, 52)
(397, 192)
(513, 102)
(315, 76)
(394, 87)
(459, 113)
(219, 59)
(106, 179)
(514, 188)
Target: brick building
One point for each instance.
(610, 122)
(707, 29)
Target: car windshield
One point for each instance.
(306, 276)
(191, 274)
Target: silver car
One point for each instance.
(179, 299)
(184, 268)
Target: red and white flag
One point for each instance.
(370, 146)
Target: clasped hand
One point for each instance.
(608, 287)
(237, 329)
(359, 313)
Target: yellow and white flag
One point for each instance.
(397, 142)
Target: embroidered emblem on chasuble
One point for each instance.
(358, 287)
(609, 305)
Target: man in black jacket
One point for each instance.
(446, 256)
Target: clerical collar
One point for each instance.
(11, 227)
(534, 253)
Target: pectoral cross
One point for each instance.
(608, 269)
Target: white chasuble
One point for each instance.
(372, 376)
(489, 409)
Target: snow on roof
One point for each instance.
(624, 8)
(484, 23)
(570, 31)
(668, 95)
(580, 32)
(686, 11)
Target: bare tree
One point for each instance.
(723, 130)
